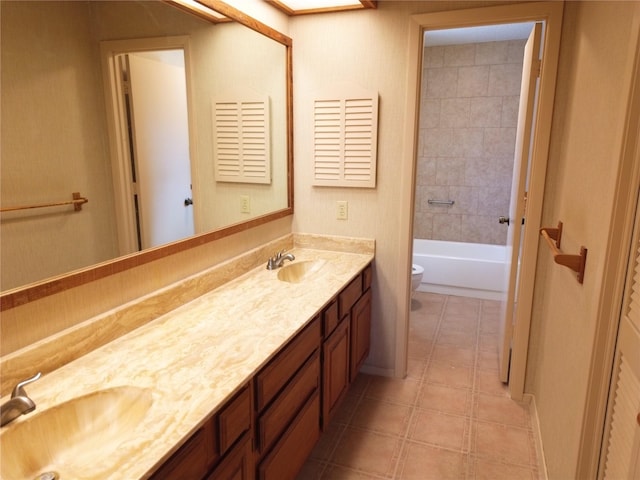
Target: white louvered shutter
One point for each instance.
(621, 448)
(345, 139)
(241, 136)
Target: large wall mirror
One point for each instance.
(84, 93)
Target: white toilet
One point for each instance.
(416, 276)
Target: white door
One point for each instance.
(530, 74)
(161, 142)
(620, 457)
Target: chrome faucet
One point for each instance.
(19, 404)
(278, 259)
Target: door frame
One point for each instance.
(118, 137)
(613, 282)
(551, 14)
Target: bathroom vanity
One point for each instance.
(281, 411)
(238, 383)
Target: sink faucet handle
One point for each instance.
(19, 388)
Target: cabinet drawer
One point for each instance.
(349, 296)
(330, 318)
(276, 375)
(234, 419)
(290, 454)
(238, 465)
(367, 275)
(280, 414)
(190, 461)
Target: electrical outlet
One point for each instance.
(245, 204)
(342, 210)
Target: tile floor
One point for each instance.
(451, 418)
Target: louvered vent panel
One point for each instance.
(345, 140)
(242, 151)
(623, 426)
(327, 142)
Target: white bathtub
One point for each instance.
(465, 269)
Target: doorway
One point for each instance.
(551, 15)
(147, 90)
(475, 117)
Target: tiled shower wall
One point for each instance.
(468, 116)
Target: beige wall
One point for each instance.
(54, 142)
(598, 41)
(469, 112)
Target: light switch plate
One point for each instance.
(245, 204)
(342, 210)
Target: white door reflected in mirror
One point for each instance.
(159, 135)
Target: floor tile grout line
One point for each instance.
(343, 429)
(399, 466)
(469, 468)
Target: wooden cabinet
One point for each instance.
(291, 452)
(216, 442)
(269, 427)
(335, 370)
(238, 465)
(360, 332)
(190, 461)
(346, 347)
(288, 406)
(271, 379)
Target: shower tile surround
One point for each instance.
(468, 117)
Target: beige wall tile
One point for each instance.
(473, 81)
(485, 111)
(505, 79)
(458, 55)
(492, 53)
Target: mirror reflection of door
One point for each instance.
(154, 86)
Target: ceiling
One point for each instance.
(485, 33)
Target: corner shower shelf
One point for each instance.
(574, 262)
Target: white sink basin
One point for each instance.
(76, 439)
(299, 271)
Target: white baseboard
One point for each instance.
(533, 411)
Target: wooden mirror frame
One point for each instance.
(22, 295)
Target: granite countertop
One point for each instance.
(197, 356)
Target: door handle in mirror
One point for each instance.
(188, 201)
(503, 220)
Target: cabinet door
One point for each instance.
(290, 453)
(360, 332)
(335, 370)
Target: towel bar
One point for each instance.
(574, 262)
(440, 202)
(77, 202)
